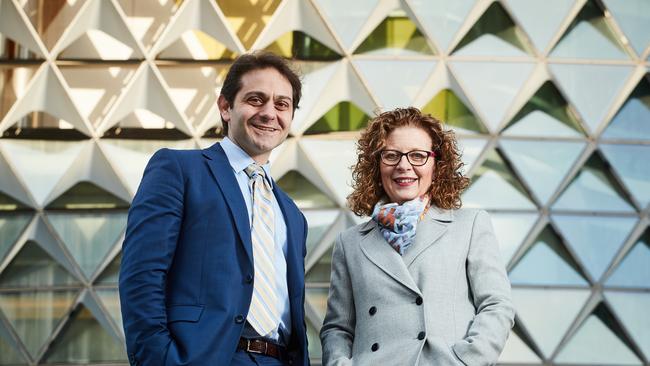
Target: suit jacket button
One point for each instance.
(418, 300)
(249, 278)
(372, 311)
(421, 335)
(375, 347)
(239, 319)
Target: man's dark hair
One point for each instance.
(256, 61)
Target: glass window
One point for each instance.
(319, 222)
(345, 116)
(547, 262)
(34, 315)
(83, 340)
(630, 162)
(11, 226)
(632, 309)
(347, 18)
(471, 149)
(517, 351)
(590, 35)
(595, 239)
(633, 17)
(301, 46)
(317, 299)
(546, 114)
(9, 355)
(633, 119)
(441, 19)
(494, 34)
(560, 308)
(87, 195)
(319, 273)
(598, 341)
(540, 18)
(448, 108)
(396, 35)
(111, 273)
(304, 193)
(34, 267)
(593, 189)
(494, 186)
(313, 338)
(110, 299)
(633, 271)
(542, 164)
(511, 229)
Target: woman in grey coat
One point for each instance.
(420, 283)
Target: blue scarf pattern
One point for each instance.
(397, 223)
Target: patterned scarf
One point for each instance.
(397, 223)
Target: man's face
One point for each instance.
(261, 114)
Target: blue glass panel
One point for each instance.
(540, 18)
(634, 271)
(595, 239)
(631, 164)
(632, 309)
(593, 189)
(633, 119)
(511, 229)
(547, 262)
(633, 16)
(347, 24)
(542, 164)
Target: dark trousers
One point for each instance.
(243, 358)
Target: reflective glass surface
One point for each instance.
(303, 192)
(396, 35)
(632, 309)
(347, 24)
(441, 19)
(319, 222)
(34, 267)
(11, 226)
(449, 109)
(87, 195)
(540, 18)
(317, 299)
(633, 16)
(517, 351)
(110, 275)
(344, 116)
(633, 271)
(630, 162)
(511, 229)
(321, 271)
(9, 355)
(633, 119)
(110, 299)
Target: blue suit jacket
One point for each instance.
(186, 278)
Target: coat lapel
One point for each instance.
(429, 230)
(379, 252)
(295, 273)
(222, 172)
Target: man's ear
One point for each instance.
(224, 108)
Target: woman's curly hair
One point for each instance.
(448, 180)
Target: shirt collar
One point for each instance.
(239, 159)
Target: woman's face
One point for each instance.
(404, 182)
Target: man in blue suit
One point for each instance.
(213, 259)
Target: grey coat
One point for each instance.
(446, 302)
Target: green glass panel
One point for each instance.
(546, 114)
(35, 314)
(86, 195)
(11, 226)
(317, 298)
(111, 300)
(321, 271)
(594, 189)
(632, 309)
(590, 35)
(111, 274)
(9, 355)
(633, 119)
(595, 239)
(345, 116)
(494, 186)
(301, 46)
(542, 164)
(89, 236)
(396, 35)
(303, 192)
(448, 108)
(634, 270)
(313, 338)
(547, 262)
(494, 33)
(560, 308)
(7, 203)
(33, 267)
(83, 340)
(599, 341)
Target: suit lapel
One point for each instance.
(222, 172)
(379, 252)
(293, 245)
(429, 230)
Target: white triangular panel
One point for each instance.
(146, 91)
(199, 15)
(516, 351)
(104, 16)
(540, 19)
(348, 24)
(10, 184)
(441, 19)
(48, 92)
(481, 194)
(15, 25)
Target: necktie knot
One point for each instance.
(254, 170)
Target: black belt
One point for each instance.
(262, 347)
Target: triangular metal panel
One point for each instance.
(541, 19)
(441, 19)
(351, 24)
(14, 24)
(10, 184)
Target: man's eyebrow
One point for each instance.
(283, 97)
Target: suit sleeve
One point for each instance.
(337, 333)
(490, 290)
(147, 252)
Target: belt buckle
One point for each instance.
(248, 346)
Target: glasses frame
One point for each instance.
(401, 155)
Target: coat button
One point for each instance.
(239, 319)
(374, 347)
(249, 278)
(421, 335)
(418, 300)
(372, 311)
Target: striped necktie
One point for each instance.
(263, 314)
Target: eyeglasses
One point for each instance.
(414, 157)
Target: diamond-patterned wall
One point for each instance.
(550, 99)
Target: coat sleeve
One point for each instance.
(490, 290)
(337, 333)
(150, 242)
